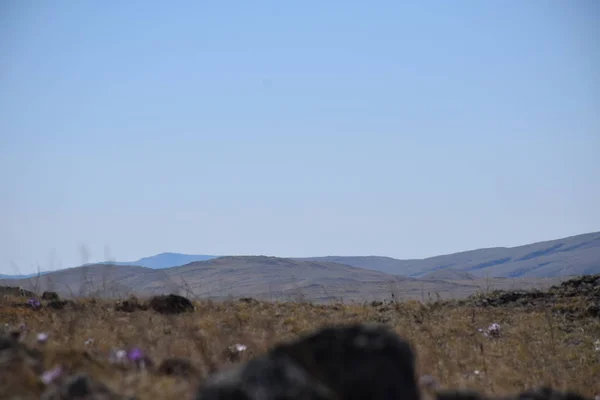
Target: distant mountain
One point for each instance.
(261, 277)
(574, 255)
(164, 260)
(2, 276)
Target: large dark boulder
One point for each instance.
(50, 296)
(171, 304)
(348, 362)
(265, 378)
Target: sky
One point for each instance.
(301, 128)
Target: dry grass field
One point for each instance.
(541, 342)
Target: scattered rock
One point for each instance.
(50, 296)
(177, 367)
(59, 304)
(171, 304)
(248, 300)
(130, 305)
(16, 291)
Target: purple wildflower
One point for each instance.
(135, 354)
(51, 375)
(138, 357)
(34, 303)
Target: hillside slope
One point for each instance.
(268, 278)
(272, 277)
(98, 279)
(575, 255)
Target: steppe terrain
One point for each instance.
(549, 337)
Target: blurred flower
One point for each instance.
(23, 327)
(118, 356)
(34, 303)
(89, 342)
(239, 347)
(494, 330)
(234, 352)
(42, 337)
(138, 357)
(51, 375)
(429, 382)
(135, 354)
(597, 345)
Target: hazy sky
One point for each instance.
(406, 129)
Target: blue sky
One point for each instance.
(406, 129)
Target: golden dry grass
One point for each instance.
(536, 347)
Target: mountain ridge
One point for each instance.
(572, 255)
(261, 277)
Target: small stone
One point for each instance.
(177, 367)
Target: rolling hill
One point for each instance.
(325, 278)
(575, 255)
(261, 277)
(90, 280)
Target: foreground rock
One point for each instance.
(171, 304)
(80, 387)
(13, 352)
(347, 362)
